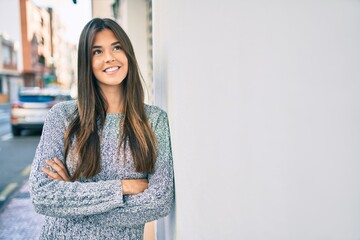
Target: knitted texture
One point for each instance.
(95, 208)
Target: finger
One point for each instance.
(51, 174)
(49, 177)
(59, 169)
(62, 172)
(59, 163)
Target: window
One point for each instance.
(6, 54)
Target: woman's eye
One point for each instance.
(96, 52)
(117, 48)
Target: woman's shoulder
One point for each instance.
(154, 112)
(63, 108)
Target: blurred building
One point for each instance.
(8, 66)
(47, 57)
(10, 48)
(33, 49)
(63, 55)
(36, 43)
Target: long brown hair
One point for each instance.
(89, 117)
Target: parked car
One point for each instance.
(30, 110)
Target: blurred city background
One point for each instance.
(263, 98)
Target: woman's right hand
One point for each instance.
(60, 173)
(134, 186)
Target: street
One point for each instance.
(16, 155)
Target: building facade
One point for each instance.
(10, 54)
(8, 67)
(37, 54)
(63, 55)
(36, 43)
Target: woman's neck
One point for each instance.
(114, 101)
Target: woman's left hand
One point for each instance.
(60, 173)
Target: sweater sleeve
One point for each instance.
(156, 201)
(66, 199)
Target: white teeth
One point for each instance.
(112, 69)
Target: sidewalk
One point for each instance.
(19, 221)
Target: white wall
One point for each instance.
(264, 103)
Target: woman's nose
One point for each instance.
(109, 58)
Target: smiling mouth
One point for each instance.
(111, 69)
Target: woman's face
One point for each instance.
(109, 62)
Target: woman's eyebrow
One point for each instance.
(115, 43)
(112, 44)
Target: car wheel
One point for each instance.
(16, 131)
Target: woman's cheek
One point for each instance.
(96, 63)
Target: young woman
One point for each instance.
(103, 166)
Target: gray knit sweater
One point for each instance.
(95, 208)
